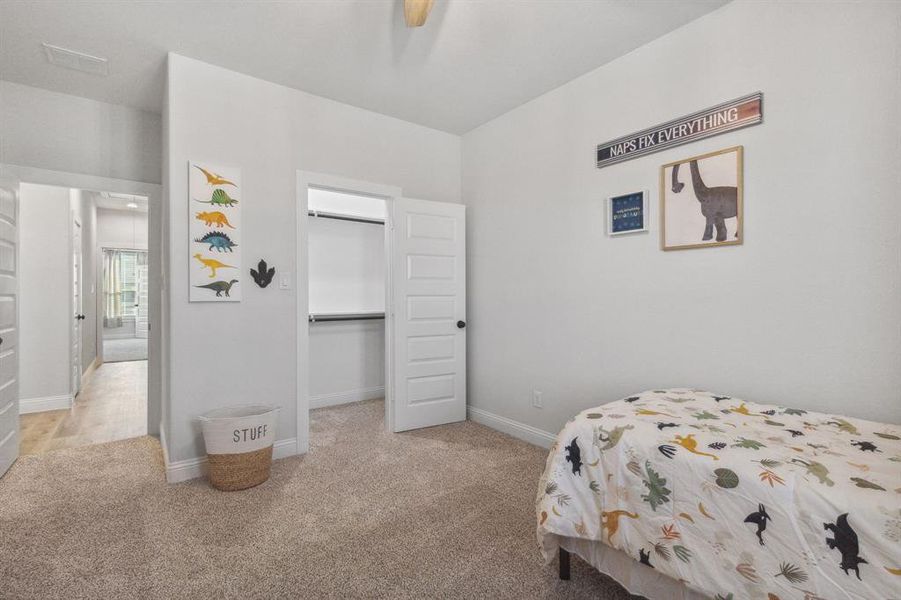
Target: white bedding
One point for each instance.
(734, 499)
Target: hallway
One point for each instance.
(111, 406)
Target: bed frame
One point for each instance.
(564, 564)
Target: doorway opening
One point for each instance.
(346, 291)
(83, 376)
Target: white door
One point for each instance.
(142, 301)
(9, 326)
(77, 314)
(427, 347)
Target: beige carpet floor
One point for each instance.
(445, 512)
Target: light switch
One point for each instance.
(284, 282)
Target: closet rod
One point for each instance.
(317, 318)
(340, 217)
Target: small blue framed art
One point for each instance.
(627, 213)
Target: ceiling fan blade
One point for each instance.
(416, 12)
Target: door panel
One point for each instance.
(142, 308)
(75, 359)
(429, 298)
(9, 317)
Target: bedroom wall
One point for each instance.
(235, 353)
(59, 132)
(805, 313)
(122, 229)
(43, 318)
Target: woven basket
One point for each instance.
(239, 443)
(233, 472)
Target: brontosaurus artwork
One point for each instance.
(717, 203)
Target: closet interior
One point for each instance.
(346, 297)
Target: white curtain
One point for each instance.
(112, 288)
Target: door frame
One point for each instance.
(388, 193)
(157, 380)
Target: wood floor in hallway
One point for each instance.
(111, 406)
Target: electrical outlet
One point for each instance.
(536, 399)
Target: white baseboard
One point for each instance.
(521, 431)
(337, 398)
(33, 405)
(193, 468)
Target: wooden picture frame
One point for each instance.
(714, 219)
(628, 204)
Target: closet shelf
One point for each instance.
(359, 316)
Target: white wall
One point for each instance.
(233, 353)
(347, 266)
(347, 362)
(44, 297)
(125, 229)
(805, 313)
(49, 130)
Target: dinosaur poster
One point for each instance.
(701, 201)
(214, 233)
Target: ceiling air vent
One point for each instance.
(79, 61)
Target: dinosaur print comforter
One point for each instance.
(734, 499)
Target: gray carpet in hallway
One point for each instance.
(445, 512)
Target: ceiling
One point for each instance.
(110, 201)
(472, 61)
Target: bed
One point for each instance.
(686, 494)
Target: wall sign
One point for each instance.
(627, 213)
(724, 117)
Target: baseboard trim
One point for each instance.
(33, 405)
(521, 431)
(193, 468)
(337, 398)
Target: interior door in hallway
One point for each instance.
(142, 299)
(427, 349)
(9, 325)
(77, 313)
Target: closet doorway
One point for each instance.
(381, 303)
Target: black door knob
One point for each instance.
(461, 324)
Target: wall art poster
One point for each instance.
(214, 227)
(627, 213)
(701, 201)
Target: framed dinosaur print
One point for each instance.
(701, 201)
(214, 229)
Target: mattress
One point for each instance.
(731, 498)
